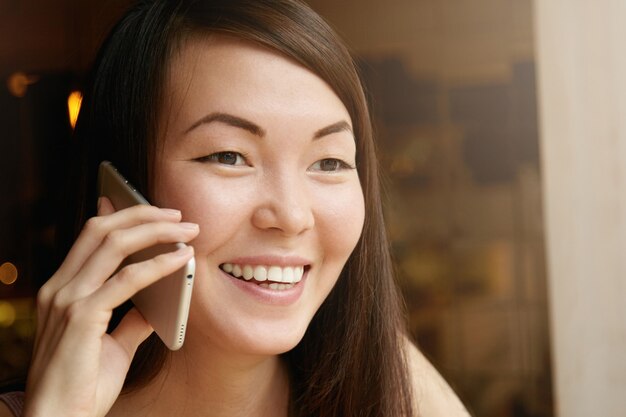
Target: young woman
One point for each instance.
(245, 124)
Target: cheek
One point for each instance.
(224, 210)
(339, 218)
(217, 207)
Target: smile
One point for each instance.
(272, 276)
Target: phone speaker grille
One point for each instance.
(181, 334)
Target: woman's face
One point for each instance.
(260, 153)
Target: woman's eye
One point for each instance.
(225, 158)
(330, 165)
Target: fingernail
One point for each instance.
(184, 251)
(190, 226)
(173, 212)
(99, 204)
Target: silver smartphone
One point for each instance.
(164, 304)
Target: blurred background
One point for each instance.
(453, 93)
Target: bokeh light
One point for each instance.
(18, 83)
(73, 106)
(7, 314)
(8, 273)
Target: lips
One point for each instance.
(269, 276)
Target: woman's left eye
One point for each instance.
(331, 165)
(225, 158)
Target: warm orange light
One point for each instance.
(18, 83)
(8, 273)
(73, 106)
(7, 314)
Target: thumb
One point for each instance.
(105, 206)
(132, 330)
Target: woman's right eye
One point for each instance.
(225, 158)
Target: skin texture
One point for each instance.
(284, 192)
(276, 201)
(433, 397)
(271, 183)
(77, 368)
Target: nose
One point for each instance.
(284, 205)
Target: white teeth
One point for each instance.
(288, 274)
(297, 273)
(277, 286)
(276, 274)
(260, 273)
(248, 272)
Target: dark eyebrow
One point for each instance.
(334, 128)
(230, 120)
(241, 123)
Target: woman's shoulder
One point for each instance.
(433, 396)
(11, 404)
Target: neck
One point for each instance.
(201, 381)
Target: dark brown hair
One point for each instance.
(351, 360)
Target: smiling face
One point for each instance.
(259, 152)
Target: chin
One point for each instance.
(268, 336)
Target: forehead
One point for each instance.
(210, 72)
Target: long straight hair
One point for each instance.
(351, 360)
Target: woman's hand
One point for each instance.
(77, 368)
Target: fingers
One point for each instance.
(135, 277)
(88, 317)
(118, 245)
(105, 206)
(132, 330)
(72, 348)
(96, 228)
(91, 237)
(81, 317)
(65, 286)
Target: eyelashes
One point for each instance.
(331, 165)
(233, 159)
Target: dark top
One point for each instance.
(15, 401)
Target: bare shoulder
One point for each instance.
(433, 396)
